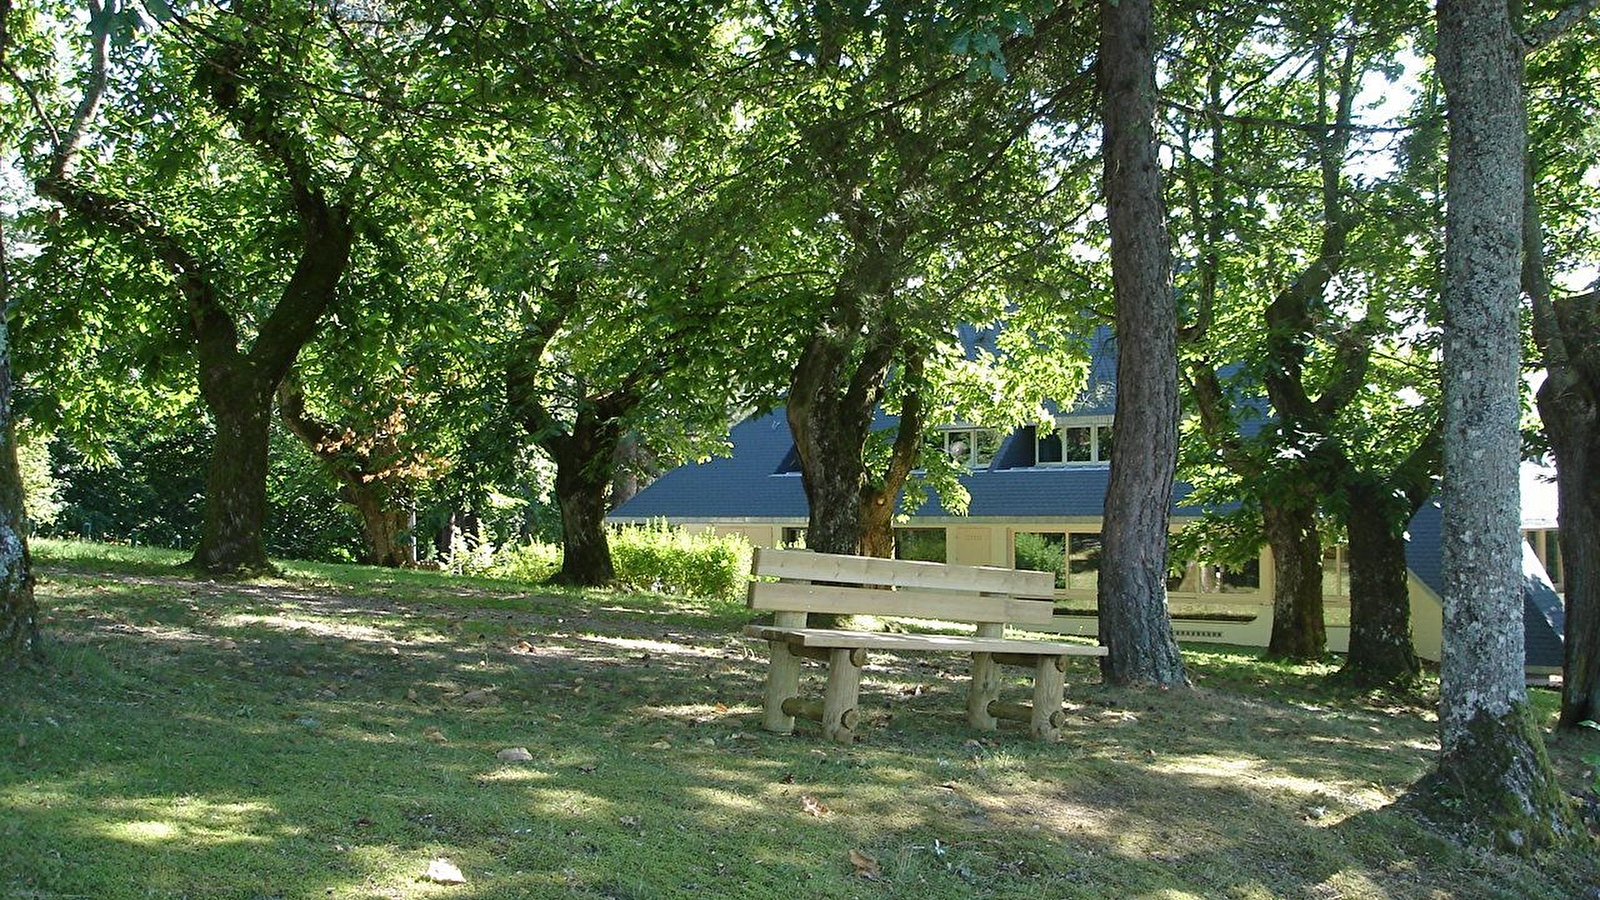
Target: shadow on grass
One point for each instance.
(293, 739)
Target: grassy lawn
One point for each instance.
(331, 732)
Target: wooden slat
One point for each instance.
(828, 637)
(911, 604)
(804, 565)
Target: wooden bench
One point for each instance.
(856, 585)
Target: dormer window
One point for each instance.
(1075, 442)
(972, 447)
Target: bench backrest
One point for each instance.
(854, 585)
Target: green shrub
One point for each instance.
(535, 561)
(660, 557)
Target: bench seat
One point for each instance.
(953, 643)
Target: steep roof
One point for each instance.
(1543, 617)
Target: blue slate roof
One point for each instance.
(1543, 616)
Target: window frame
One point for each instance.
(1094, 423)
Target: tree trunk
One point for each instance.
(1298, 629)
(236, 481)
(877, 524)
(584, 471)
(1493, 773)
(830, 434)
(585, 552)
(1567, 404)
(385, 524)
(19, 612)
(1381, 652)
(1134, 621)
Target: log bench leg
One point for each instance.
(985, 687)
(1049, 687)
(783, 682)
(839, 714)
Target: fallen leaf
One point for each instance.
(630, 821)
(22, 740)
(435, 735)
(788, 778)
(363, 822)
(228, 644)
(812, 806)
(661, 745)
(443, 871)
(864, 865)
(411, 695)
(586, 768)
(481, 695)
(515, 754)
(722, 707)
(522, 647)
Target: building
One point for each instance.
(1036, 503)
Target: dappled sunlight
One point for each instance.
(326, 628)
(159, 821)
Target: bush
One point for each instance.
(659, 557)
(535, 561)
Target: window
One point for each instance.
(1216, 578)
(924, 544)
(1070, 444)
(794, 538)
(973, 447)
(1074, 557)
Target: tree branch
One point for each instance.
(1548, 31)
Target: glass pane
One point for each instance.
(1050, 448)
(925, 544)
(1041, 552)
(985, 444)
(958, 445)
(1076, 446)
(1244, 580)
(1104, 432)
(1083, 562)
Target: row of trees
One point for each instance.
(428, 236)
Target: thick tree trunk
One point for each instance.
(877, 524)
(19, 612)
(236, 481)
(585, 552)
(829, 437)
(584, 471)
(1570, 419)
(1381, 652)
(385, 524)
(1134, 621)
(1493, 772)
(1298, 628)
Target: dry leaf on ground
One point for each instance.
(482, 695)
(812, 806)
(515, 754)
(443, 871)
(864, 865)
(434, 734)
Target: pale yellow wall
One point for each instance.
(1427, 620)
(973, 545)
(757, 535)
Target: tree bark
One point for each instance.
(19, 611)
(1290, 523)
(1569, 404)
(1493, 773)
(1381, 651)
(364, 469)
(580, 489)
(236, 479)
(1134, 620)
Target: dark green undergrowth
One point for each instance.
(330, 732)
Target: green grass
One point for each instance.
(315, 735)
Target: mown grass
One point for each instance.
(329, 732)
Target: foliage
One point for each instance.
(673, 560)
